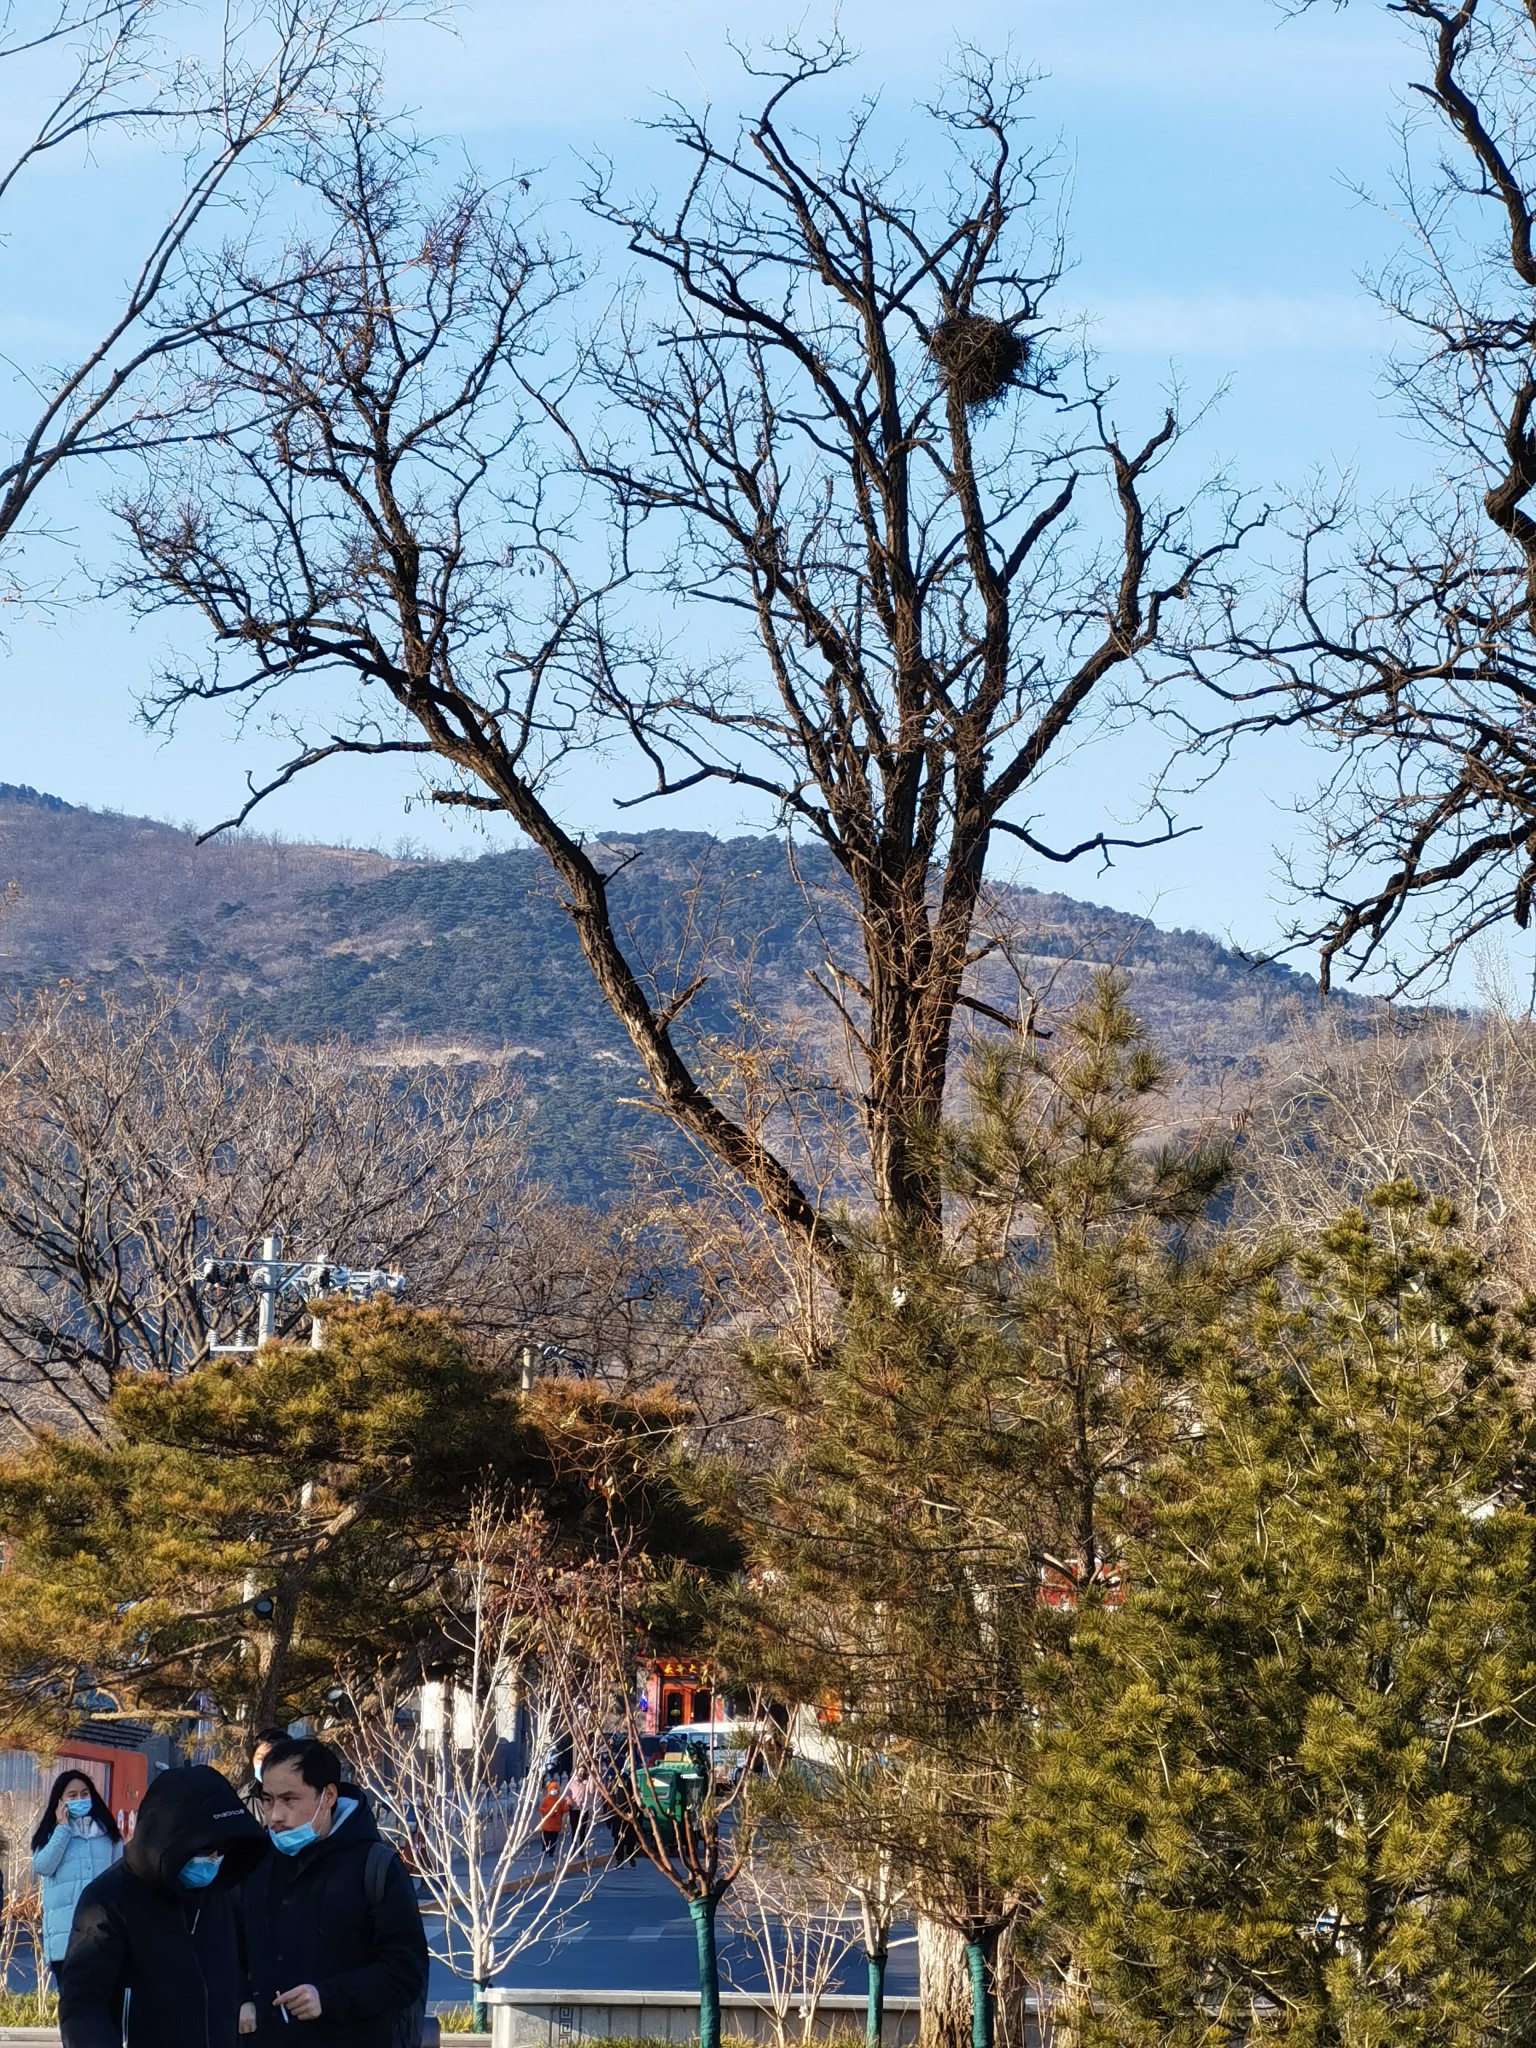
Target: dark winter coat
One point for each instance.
(308, 1921)
(138, 1930)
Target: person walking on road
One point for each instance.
(552, 1811)
(610, 1804)
(157, 1932)
(76, 1839)
(332, 1928)
(581, 1797)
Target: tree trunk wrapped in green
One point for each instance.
(874, 1998)
(703, 1913)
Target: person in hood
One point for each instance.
(332, 1928)
(75, 1840)
(159, 1929)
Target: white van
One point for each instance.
(726, 1741)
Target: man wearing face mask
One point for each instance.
(266, 1741)
(159, 1929)
(336, 1948)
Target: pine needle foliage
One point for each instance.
(1295, 1795)
(963, 1463)
(246, 1530)
(1084, 1242)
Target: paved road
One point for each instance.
(635, 1934)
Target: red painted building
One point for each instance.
(677, 1692)
(121, 1776)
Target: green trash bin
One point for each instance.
(671, 1789)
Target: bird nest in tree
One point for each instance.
(979, 357)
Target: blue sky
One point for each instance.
(1213, 151)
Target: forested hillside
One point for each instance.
(475, 959)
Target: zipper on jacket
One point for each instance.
(197, 1914)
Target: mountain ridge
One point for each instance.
(474, 958)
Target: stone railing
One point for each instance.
(553, 2019)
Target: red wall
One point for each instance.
(119, 1775)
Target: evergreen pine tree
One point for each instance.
(960, 1465)
(1295, 1792)
(245, 1529)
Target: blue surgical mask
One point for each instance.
(77, 1809)
(198, 1872)
(289, 1841)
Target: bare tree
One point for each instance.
(793, 1918)
(134, 1146)
(840, 1826)
(21, 1906)
(471, 1836)
(1350, 1104)
(1409, 647)
(833, 413)
(691, 1825)
(614, 1296)
(213, 90)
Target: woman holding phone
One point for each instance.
(75, 1840)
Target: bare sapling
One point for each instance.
(686, 1812)
(797, 1920)
(469, 1829)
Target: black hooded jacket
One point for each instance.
(309, 1920)
(138, 1930)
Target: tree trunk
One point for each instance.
(874, 2005)
(944, 1983)
(1012, 1985)
(703, 1911)
(273, 1645)
(944, 1987)
(980, 1957)
(915, 951)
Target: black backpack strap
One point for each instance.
(376, 1874)
(408, 2025)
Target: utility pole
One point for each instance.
(536, 1358)
(271, 1276)
(266, 1288)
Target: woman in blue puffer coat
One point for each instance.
(75, 1840)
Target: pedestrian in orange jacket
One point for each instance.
(553, 1808)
